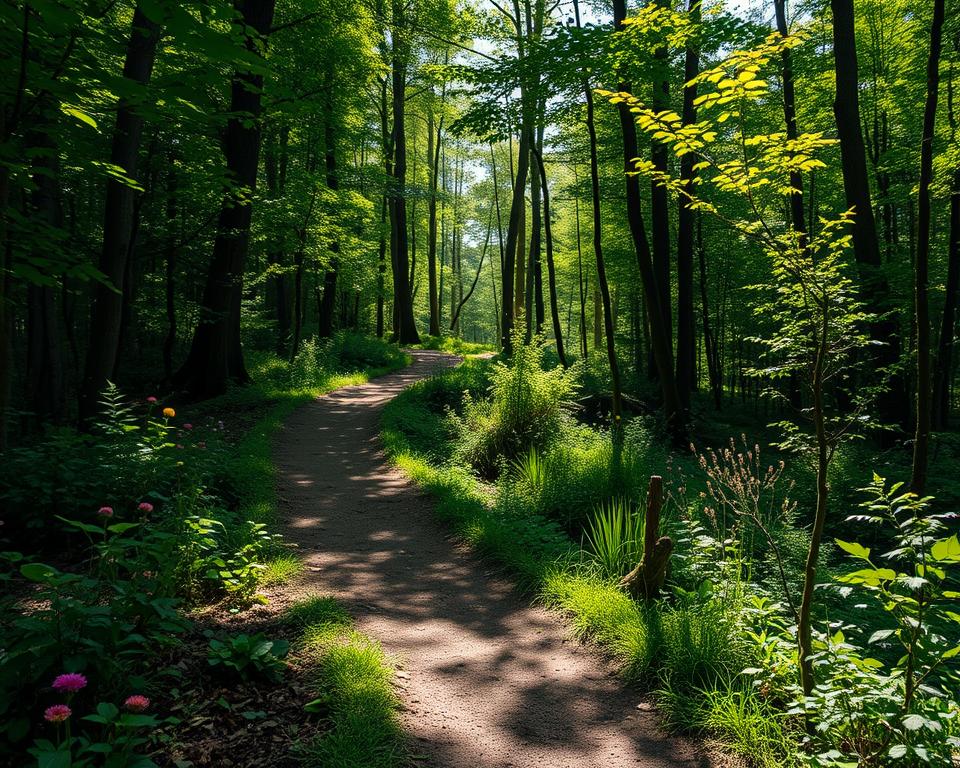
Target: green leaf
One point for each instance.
(897, 751)
(946, 550)
(880, 635)
(122, 527)
(80, 115)
(869, 576)
(38, 572)
(854, 549)
(58, 759)
(913, 722)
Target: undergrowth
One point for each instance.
(351, 678)
(566, 517)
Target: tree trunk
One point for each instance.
(873, 284)
(948, 322)
(216, 356)
(515, 234)
(659, 198)
(601, 269)
(327, 304)
(170, 271)
(918, 479)
(660, 333)
(686, 342)
(118, 220)
(433, 163)
(406, 327)
(551, 270)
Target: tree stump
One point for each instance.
(646, 580)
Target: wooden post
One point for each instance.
(646, 580)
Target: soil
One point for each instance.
(486, 680)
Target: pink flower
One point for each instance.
(145, 506)
(105, 511)
(188, 426)
(69, 683)
(137, 703)
(57, 713)
(151, 399)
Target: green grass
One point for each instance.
(280, 569)
(455, 345)
(351, 679)
(677, 650)
(351, 675)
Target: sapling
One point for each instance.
(817, 324)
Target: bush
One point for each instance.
(345, 352)
(526, 408)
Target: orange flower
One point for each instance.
(169, 413)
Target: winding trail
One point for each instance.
(487, 680)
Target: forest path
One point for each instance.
(487, 680)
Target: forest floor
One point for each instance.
(485, 679)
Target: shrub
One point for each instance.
(526, 409)
(249, 656)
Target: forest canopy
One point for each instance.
(689, 219)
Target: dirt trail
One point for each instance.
(487, 680)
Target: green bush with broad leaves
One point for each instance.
(148, 533)
(249, 656)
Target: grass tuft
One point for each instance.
(280, 569)
(353, 684)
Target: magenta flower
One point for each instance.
(145, 506)
(137, 703)
(188, 426)
(105, 511)
(57, 713)
(69, 683)
(151, 399)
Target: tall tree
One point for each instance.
(856, 184)
(918, 478)
(660, 333)
(216, 355)
(405, 329)
(118, 221)
(943, 369)
(686, 341)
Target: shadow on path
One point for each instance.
(489, 681)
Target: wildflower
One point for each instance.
(151, 399)
(188, 425)
(57, 713)
(145, 506)
(69, 683)
(105, 511)
(169, 413)
(137, 703)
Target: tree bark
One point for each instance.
(660, 333)
(686, 342)
(659, 199)
(921, 443)
(551, 269)
(328, 302)
(406, 327)
(943, 369)
(107, 303)
(873, 284)
(216, 355)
